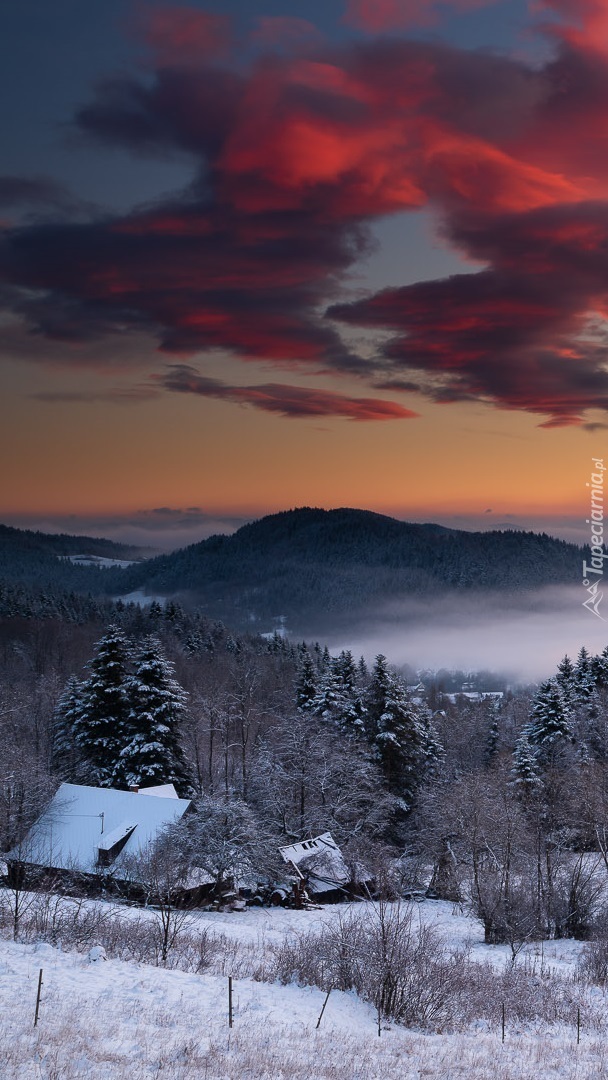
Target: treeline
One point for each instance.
(522, 833)
(35, 561)
(498, 803)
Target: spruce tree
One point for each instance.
(102, 725)
(401, 732)
(338, 703)
(152, 753)
(306, 687)
(526, 771)
(407, 745)
(376, 696)
(362, 672)
(566, 680)
(599, 667)
(66, 758)
(583, 675)
(593, 725)
(550, 718)
(344, 666)
(551, 724)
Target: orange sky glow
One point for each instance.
(279, 329)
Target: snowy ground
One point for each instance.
(111, 1019)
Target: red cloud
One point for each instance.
(184, 35)
(520, 335)
(291, 401)
(586, 22)
(293, 158)
(376, 16)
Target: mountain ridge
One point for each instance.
(308, 562)
(308, 566)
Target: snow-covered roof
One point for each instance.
(320, 861)
(162, 791)
(81, 822)
(108, 840)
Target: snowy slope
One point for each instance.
(109, 1019)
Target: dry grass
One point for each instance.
(172, 1026)
(98, 1039)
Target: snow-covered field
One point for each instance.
(112, 1019)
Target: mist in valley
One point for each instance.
(521, 635)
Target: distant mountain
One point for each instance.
(59, 560)
(318, 568)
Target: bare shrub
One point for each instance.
(593, 962)
(400, 966)
(406, 971)
(528, 997)
(73, 923)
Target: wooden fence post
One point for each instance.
(38, 998)
(323, 1009)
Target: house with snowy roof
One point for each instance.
(84, 829)
(320, 865)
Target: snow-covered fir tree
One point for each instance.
(377, 691)
(406, 743)
(566, 680)
(584, 679)
(550, 718)
(344, 666)
(102, 726)
(593, 725)
(599, 667)
(152, 753)
(402, 733)
(66, 757)
(526, 772)
(306, 686)
(339, 702)
(362, 672)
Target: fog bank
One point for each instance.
(522, 635)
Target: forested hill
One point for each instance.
(45, 560)
(316, 568)
(310, 565)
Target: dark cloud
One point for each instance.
(284, 400)
(33, 191)
(293, 158)
(198, 279)
(519, 334)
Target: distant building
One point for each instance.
(476, 695)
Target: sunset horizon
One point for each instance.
(257, 260)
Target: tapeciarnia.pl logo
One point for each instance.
(593, 571)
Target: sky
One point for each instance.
(265, 255)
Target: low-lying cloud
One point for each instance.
(521, 635)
